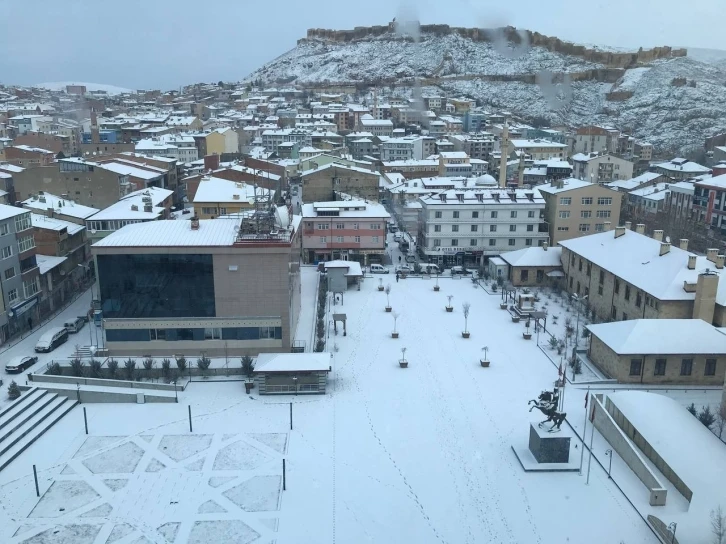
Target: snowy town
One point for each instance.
(301, 309)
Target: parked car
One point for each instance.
(397, 237)
(410, 258)
(51, 339)
(459, 270)
(17, 364)
(404, 269)
(430, 268)
(75, 325)
(379, 269)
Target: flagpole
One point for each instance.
(584, 430)
(589, 459)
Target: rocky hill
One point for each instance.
(660, 94)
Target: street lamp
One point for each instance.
(294, 381)
(672, 528)
(578, 300)
(176, 398)
(609, 453)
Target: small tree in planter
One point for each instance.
(181, 364)
(248, 368)
(148, 363)
(13, 390)
(526, 334)
(112, 366)
(166, 369)
(203, 364)
(77, 366)
(449, 307)
(388, 297)
(466, 307)
(55, 369)
(485, 361)
(94, 366)
(380, 284)
(394, 334)
(130, 368)
(436, 285)
(416, 268)
(403, 363)
(553, 342)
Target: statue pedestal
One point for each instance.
(549, 452)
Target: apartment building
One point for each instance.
(273, 138)
(647, 201)
(349, 230)
(576, 208)
(539, 149)
(377, 127)
(643, 150)
(26, 156)
(219, 287)
(681, 169)
(709, 203)
(20, 276)
(596, 139)
(413, 169)
(628, 275)
(405, 149)
(549, 170)
(599, 168)
(173, 146)
(678, 202)
(321, 184)
(464, 226)
(476, 146)
(51, 142)
(65, 240)
(215, 197)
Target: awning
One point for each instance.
(556, 274)
(23, 307)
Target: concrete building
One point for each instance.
(681, 169)
(533, 266)
(20, 276)
(211, 286)
(647, 201)
(463, 226)
(215, 197)
(477, 146)
(55, 143)
(406, 148)
(596, 139)
(659, 351)
(546, 171)
(628, 275)
(321, 184)
(679, 200)
(577, 208)
(643, 150)
(377, 127)
(349, 230)
(598, 168)
(26, 156)
(273, 138)
(709, 203)
(58, 238)
(292, 373)
(413, 169)
(539, 149)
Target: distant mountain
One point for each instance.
(61, 86)
(672, 100)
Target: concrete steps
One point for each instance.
(24, 421)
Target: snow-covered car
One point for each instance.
(378, 269)
(17, 364)
(459, 270)
(404, 269)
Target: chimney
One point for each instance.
(705, 301)
(211, 162)
(628, 225)
(683, 244)
(691, 262)
(640, 228)
(711, 254)
(195, 223)
(719, 261)
(619, 231)
(606, 225)
(544, 246)
(658, 235)
(665, 247)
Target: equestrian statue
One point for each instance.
(547, 403)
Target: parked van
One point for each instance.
(378, 269)
(74, 325)
(430, 269)
(51, 339)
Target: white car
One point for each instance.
(404, 269)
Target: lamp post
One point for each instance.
(672, 528)
(578, 300)
(609, 453)
(176, 398)
(294, 381)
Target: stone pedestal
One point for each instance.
(548, 447)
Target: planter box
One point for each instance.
(388, 308)
(527, 335)
(466, 334)
(503, 306)
(436, 287)
(449, 308)
(403, 364)
(248, 387)
(515, 319)
(484, 363)
(394, 335)
(380, 288)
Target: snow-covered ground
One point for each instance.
(61, 86)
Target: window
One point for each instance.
(599, 227)
(613, 313)
(25, 243)
(340, 239)
(357, 239)
(660, 367)
(540, 276)
(492, 228)
(599, 290)
(355, 226)
(579, 266)
(528, 241)
(565, 201)
(375, 239)
(605, 201)
(454, 242)
(323, 239)
(10, 272)
(7, 252)
(31, 287)
(513, 214)
(512, 228)
(589, 269)
(564, 215)
(437, 215)
(530, 214)
(584, 227)
(12, 295)
(209, 211)
(638, 299)
(710, 368)
(492, 242)
(437, 243)
(456, 215)
(627, 292)
(563, 229)
(22, 222)
(586, 200)
(472, 242)
(3, 229)
(617, 286)
(603, 213)
(454, 228)
(585, 214)
(437, 228)
(495, 215)
(524, 275)
(222, 211)
(340, 226)
(625, 316)
(512, 241)
(686, 367)
(157, 334)
(322, 226)
(474, 215)
(212, 334)
(635, 366)
(375, 226)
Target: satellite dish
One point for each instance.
(668, 239)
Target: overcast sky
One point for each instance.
(168, 43)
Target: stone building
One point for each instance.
(322, 183)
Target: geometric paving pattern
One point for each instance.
(163, 488)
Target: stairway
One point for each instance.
(27, 418)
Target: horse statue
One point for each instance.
(547, 403)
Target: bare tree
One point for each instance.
(466, 307)
(718, 525)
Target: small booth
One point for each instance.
(292, 373)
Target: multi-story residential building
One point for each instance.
(576, 208)
(628, 275)
(201, 286)
(26, 156)
(531, 133)
(474, 121)
(644, 180)
(19, 277)
(463, 226)
(361, 148)
(216, 197)
(596, 139)
(598, 168)
(678, 202)
(271, 139)
(349, 230)
(63, 239)
(647, 201)
(709, 202)
(51, 142)
(183, 123)
(377, 127)
(181, 148)
(454, 163)
(680, 169)
(477, 146)
(544, 171)
(404, 149)
(539, 149)
(413, 169)
(321, 184)
(643, 150)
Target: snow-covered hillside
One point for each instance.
(61, 86)
(673, 118)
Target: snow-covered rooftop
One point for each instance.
(124, 208)
(537, 143)
(127, 170)
(338, 165)
(6, 212)
(661, 337)
(534, 256)
(567, 185)
(173, 233)
(48, 262)
(292, 362)
(353, 267)
(346, 208)
(215, 190)
(717, 182)
(51, 223)
(633, 183)
(683, 165)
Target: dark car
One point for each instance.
(17, 364)
(459, 270)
